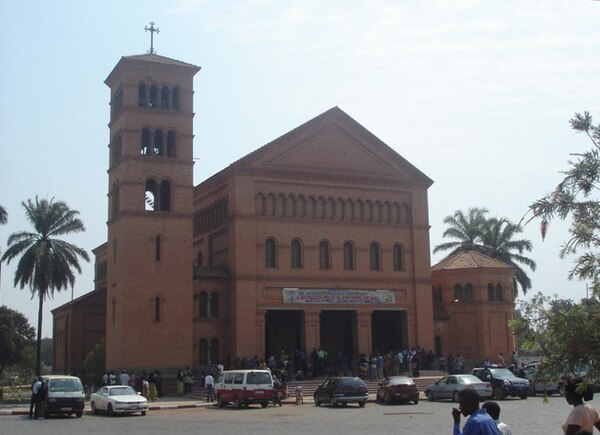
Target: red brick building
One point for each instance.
(317, 239)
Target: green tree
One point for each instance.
(94, 362)
(495, 237)
(576, 197)
(16, 337)
(46, 262)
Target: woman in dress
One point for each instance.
(583, 416)
(152, 391)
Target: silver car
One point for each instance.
(118, 399)
(448, 387)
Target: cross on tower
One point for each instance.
(152, 29)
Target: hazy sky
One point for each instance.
(476, 94)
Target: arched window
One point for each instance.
(151, 195)
(214, 304)
(157, 309)
(153, 100)
(348, 256)
(175, 99)
(171, 150)
(398, 257)
(142, 99)
(491, 292)
(203, 307)
(324, 257)
(203, 352)
(499, 292)
(469, 292)
(374, 255)
(296, 251)
(459, 294)
(145, 150)
(260, 204)
(165, 195)
(164, 97)
(270, 253)
(158, 142)
(214, 351)
(157, 248)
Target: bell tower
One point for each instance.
(150, 204)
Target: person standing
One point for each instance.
(124, 377)
(179, 382)
(479, 422)
(493, 409)
(34, 402)
(209, 383)
(583, 415)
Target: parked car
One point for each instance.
(539, 382)
(342, 391)
(449, 386)
(65, 395)
(118, 399)
(504, 382)
(398, 389)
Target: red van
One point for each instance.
(243, 387)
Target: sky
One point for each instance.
(477, 94)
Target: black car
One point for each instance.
(504, 382)
(342, 391)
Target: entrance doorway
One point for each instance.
(284, 330)
(338, 333)
(388, 330)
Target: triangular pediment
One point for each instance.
(332, 143)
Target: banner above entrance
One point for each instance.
(337, 296)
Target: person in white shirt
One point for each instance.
(583, 416)
(493, 409)
(34, 407)
(209, 383)
(124, 377)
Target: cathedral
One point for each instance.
(318, 239)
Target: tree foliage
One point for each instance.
(564, 333)
(46, 262)
(495, 237)
(16, 337)
(94, 362)
(576, 196)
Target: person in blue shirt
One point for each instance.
(479, 422)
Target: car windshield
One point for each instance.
(256, 378)
(65, 385)
(352, 382)
(469, 379)
(121, 391)
(502, 374)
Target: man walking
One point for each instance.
(34, 402)
(209, 383)
(479, 422)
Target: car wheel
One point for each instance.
(78, 414)
(264, 404)
(362, 404)
(523, 396)
(430, 396)
(387, 399)
(220, 402)
(143, 412)
(236, 402)
(110, 409)
(498, 393)
(455, 396)
(332, 401)
(94, 409)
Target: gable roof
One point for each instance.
(469, 260)
(332, 142)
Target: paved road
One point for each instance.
(531, 416)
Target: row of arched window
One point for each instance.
(157, 143)
(155, 97)
(157, 195)
(208, 304)
(329, 208)
(297, 259)
(211, 214)
(465, 293)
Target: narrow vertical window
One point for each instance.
(270, 253)
(203, 350)
(171, 144)
(469, 292)
(459, 294)
(157, 249)
(164, 97)
(348, 256)
(214, 351)
(142, 100)
(214, 304)
(491, 292)
(296, 249)
(203, 305)
(158, 142)
(175, 99)
(324, 260)
(153, 100)
(499, 292)
(374, 254)
(145, 145)
(157, 309)
(150, 195)
(165, 195)
(398, 258)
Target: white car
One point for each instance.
(118, 399)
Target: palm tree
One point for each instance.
(3, 215)
(497, 242)
(46, 262)
(492, 237)
(465, 228)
